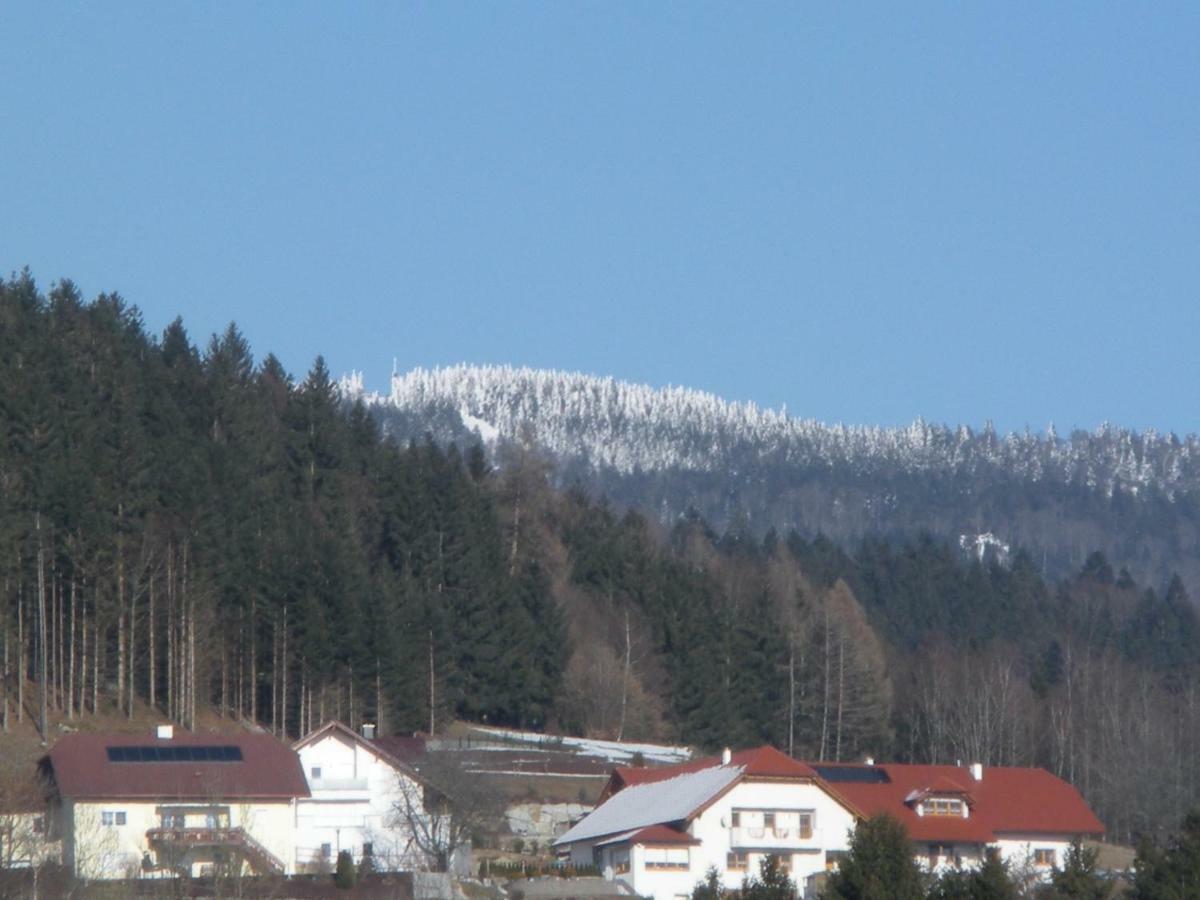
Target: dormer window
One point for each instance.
(943, 806)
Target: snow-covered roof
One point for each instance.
(669, 800)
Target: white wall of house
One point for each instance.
(948, 856)
(831, 827)
(107, 839)
(649, 878)
(1036, 854)
(831, 824)
(356, 794)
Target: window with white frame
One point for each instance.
(111, 817)
(675, 858)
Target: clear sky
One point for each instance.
(865, 212)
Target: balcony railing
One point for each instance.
(260, 858)
(749, 836)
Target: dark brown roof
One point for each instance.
(267, 770)
(406, 749)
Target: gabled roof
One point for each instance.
(639, 797)
(128, 767)
(346, 733)
(1004, 801)
(761, 762)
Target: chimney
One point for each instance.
(165, 732)
(977, 771)
(368, 731)
(726, 756)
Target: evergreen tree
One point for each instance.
(879, 865)
(710, 888)
(771, 882)
(1078, 878)
(1172, 873)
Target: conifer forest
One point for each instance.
(189, 528)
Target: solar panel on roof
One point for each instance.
(193, 753)
(853, 774)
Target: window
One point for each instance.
(174, 820)
(774, 823)
(674, 858)
(112, 817)
(316, 773)
(368, 849)
(620, 861)
(737, 861)
(212, 820)
(39, 825)
(326, 849)
(940, 853)
(1043, 856)
(806, 825)
(783, 860)
(944, 806)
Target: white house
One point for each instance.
(158, 805)
(660, 830)
(356, 788)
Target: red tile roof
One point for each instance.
(661, 834)
(268, 770)
(762, 762)
(1005, 801)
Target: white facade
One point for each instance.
(357, 792)
(796, 821)
(122, 839)
(1035, 854)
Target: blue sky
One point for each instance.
(867, 213)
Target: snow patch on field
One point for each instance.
(615, 752)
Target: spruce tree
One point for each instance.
(879, 865)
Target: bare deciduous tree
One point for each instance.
(446, 809)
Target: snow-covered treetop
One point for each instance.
(627, 427)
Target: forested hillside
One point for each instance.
(1134, 496)
(191, 529)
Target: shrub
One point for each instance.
(345, 875)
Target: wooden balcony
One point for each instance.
(235, 840)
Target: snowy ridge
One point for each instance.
(626, 428)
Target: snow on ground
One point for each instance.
(611, 751)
